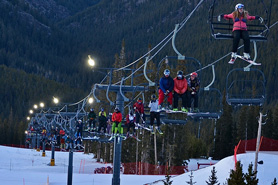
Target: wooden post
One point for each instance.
(258, 142)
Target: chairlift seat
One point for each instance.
(245, 101)
(230, 36)
(205, 115)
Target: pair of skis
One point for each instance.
(249, 61)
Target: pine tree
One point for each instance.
(274, 182)
(167, 181)
(250, 177)
(237, 176)
(213, 178)
(191, 179)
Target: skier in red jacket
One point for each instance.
(139, 111)
(117, 121)
(180, 90)
(240, 17)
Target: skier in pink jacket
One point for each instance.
(240, 17)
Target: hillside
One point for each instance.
(20, 91)
(28, 166)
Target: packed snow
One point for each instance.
(27, 166)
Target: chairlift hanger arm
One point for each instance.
(151, 83)
(213, 78)
(121, 92)
(180, 56)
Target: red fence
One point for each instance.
(150, 169)
(266, 144)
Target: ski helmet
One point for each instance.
(194, 74)
(92, 109)
(101, 109)
(179, 74)
(238, 6)
(79, 121)
(153, 96)
(117, 109)
(166, 72)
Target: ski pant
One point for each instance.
(237, 35)
(192, 97)
(79, 133)
(161, 97)
(155, 115)
(117, 127)
(131, 125)
(176, 99)
(92, 121)
(138, 117)
(102, 125)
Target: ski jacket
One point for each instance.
(139, 107)
(92, 115)
(102, 119)
(130, 118)
(153, 106)
(239, 23)
(62, 132)
(99, 114)
(117, 117)
(166, 84)
(79, 126)
(193, 85)
(180, 85)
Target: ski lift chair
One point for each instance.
(245, 90)
(223, 29)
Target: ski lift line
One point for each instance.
(134, 98)
(144, 63)
(181, 25)
(186, 19)
(146, 53)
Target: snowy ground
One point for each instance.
(26, 166)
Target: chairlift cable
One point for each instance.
(170, 35)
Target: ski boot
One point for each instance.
(246, 56)
(184, 109)
(196, 110)
(233, 58)
(158, 130)
(152, 131)
(112, 137)
(175, 109)
(170, 107)
(88, 129)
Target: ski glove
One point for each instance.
(244, 20)
(236, 19)
(219, 17)
(260, 19)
